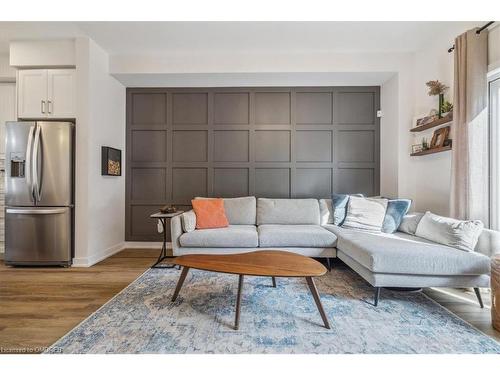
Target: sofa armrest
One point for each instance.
(175, 233)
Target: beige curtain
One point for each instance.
(469, 177)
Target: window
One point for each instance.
(494, 108)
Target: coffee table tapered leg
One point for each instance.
(180, 282)
(315, 294)
(238, 303)
(274, 282)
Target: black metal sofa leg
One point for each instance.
(377, 296)
(478, 295)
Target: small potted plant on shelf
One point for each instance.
(437, 88)
(446, 109)
(425, 144)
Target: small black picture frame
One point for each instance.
(111, 161)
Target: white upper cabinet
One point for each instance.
(61, 101)
(46, 93)
(32, 93)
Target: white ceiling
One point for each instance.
(125, 38)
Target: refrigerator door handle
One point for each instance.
(36, 175)
(49, 211)
(29, 172)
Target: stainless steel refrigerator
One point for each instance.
(39, 193)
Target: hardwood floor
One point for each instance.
(464, 304)
(39, 305)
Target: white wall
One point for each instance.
(39, 54)
(389, 138)
(432, 182)
(7, 73)
(100, 200)
(431, 173)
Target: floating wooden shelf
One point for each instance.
(431, 151)
(432, 124)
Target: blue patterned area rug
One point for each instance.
(142, 319)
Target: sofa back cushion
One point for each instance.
(462, 235)
(288, 211)
(240, 211)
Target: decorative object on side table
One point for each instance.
(437, 88)
(111, 161)
(168, 209)
(495, 292)
(162, 217)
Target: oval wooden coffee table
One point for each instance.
(267, 263)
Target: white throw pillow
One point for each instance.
(410, 222)
(188, 220)
(459, 234)
(365, 214)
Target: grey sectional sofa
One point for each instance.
(304, 226)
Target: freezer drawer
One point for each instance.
(38, 236)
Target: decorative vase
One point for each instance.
(440, 108)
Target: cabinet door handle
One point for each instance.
(48, 106)
(43, 106)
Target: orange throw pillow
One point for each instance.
(210, 213)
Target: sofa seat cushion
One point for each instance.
(273, 235)
(231, 236)
(401, 253)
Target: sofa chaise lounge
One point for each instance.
(304, 226)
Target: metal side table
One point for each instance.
(163, 254)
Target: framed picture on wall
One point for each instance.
(439, 137)
(111, 161)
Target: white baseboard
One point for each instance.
(96, 258)
(144, 245)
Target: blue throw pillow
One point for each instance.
(396, 209)
(339, 206)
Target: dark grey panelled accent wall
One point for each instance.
(267, 142)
